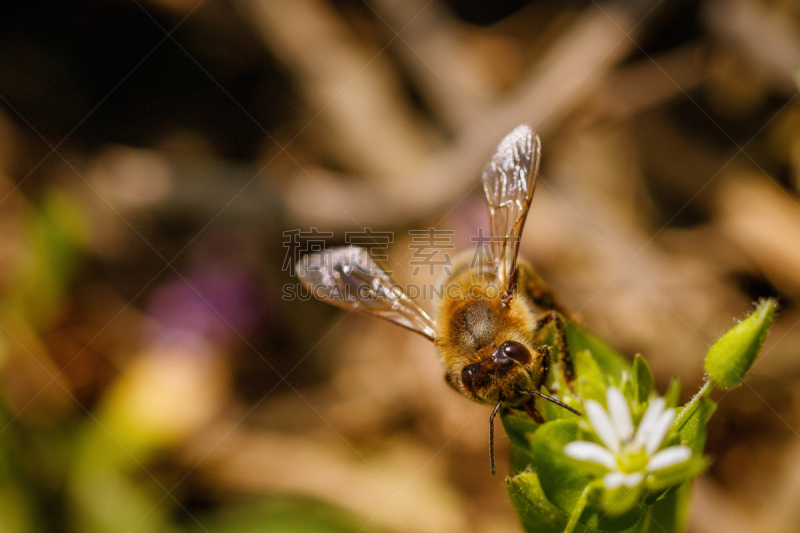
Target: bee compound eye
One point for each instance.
(516, 351)
(470, 371)
(469, 376)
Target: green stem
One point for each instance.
(577, 511)
(690, 407)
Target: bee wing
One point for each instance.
(509, 179)
(349, 278)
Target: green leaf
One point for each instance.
(590, 381)
(671, 511)
(564, 480)
(535, 510)
(642, 379)
(551, 411)
(518, 425)
(579, 507)
(673, 394)
(611, 362)
(733, 354)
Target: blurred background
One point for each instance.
(157, 158)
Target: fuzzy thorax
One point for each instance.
(473, 323)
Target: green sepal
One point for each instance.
(676, 474)
(619, 501)
(627, 386)
(642, 379)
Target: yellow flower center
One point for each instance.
(632, 459)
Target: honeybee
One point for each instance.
(495, 316)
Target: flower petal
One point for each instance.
(602, 425)
(613, 480)
(620, 413)
(631, 480)
(659, 431)
(669, 457)
(648, 421)
(589, 451)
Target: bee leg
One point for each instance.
(532, 409)
(530, 406)
(562, 346)
(491, 434)
(544, 367)
(542, 295)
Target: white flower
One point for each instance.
(628, 455)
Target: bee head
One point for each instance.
(500, 373)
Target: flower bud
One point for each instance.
(733, 354)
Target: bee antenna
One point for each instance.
(491, 433)
(551, 399)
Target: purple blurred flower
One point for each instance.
(214, 304)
